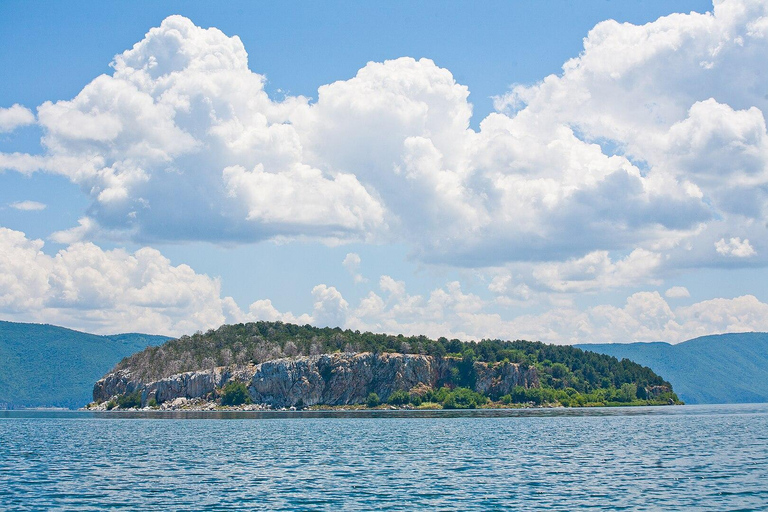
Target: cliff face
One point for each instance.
(329, 379)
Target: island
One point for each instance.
(276, 365)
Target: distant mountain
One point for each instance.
(725, 368)
(49, 366)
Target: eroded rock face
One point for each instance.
(117, 383)
(328, 379)
(499, 380)
(342, 379)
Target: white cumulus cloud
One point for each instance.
(677, 292)
(14, 117)
(651, 144)
(352, 264)
(86, 287)
(735, 247)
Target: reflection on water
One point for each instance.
(650, 458)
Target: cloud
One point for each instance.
(28, 206)
(449, 311)
(647, 317)
(735, 247)
(352, 264)
(182, 142)
(596, 271)
(85, 287)
(106, 291)
(14, 117)
(647, 149)
(677, 292)
(84, 229)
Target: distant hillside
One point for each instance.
(45, 365)
(725, 368)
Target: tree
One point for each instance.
(464, 398)
(234, 393)
(372, 400)
(628, 392)
(399, 397)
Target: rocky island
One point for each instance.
(276, 365)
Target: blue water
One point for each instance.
(669, 458)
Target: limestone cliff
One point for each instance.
(329, 379)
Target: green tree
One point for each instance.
(234, 393)
(129, 400)
(372, 400)
(464, 398)
(628, 392)
(399, 397)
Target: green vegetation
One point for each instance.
(569, 397)
(234, 393)
(372, 400)
(463, 398)
(445, 397)
(567, 376)
(399, 397)
(129, 400)
(49, 366)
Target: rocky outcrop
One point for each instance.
(328, 379)
(199, 384)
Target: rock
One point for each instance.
(328, 379)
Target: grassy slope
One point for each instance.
(45, 365)
(725, 368)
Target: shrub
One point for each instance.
(129, 400)
(152, 402)
(436, 395)
(464, 398)
(399, 397)
(372, 400)
(234, 393)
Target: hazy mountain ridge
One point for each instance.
(44, 365)
(720, 368)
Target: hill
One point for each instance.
(724, 368)
(49, 366)
(558, 374)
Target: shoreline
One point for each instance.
(201, 405)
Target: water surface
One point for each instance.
(694, 457)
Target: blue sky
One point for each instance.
(394, 166)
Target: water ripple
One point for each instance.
(698, 458)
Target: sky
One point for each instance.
(570, 172)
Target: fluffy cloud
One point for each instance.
(28, 206)
(14, 117)
(352, 264)
(680, 95)
(596, 271)
(677, 292)
(451, 312)
(101, 291)
(182, 143)
(735, 247)
(651, 145)
(107, 291)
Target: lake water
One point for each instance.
(669, 458)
